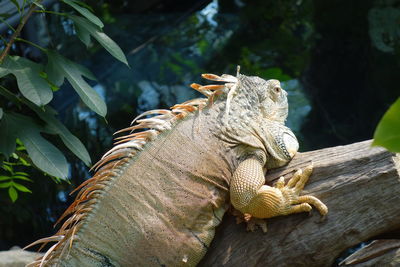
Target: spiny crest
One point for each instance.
(143, 129)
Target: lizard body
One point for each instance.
(158, 195)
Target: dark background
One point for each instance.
(339, 61)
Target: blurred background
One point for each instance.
(339, 61)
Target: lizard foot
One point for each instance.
(290, 191)
(281, 199)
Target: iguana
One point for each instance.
(159, 193)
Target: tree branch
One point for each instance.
(17, 32)
(359, 184)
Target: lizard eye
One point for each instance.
(277, 89)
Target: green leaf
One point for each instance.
(84, 5)
(24, 161)
(56, 127)
(387, 133)
(86, 27)
(13, 194)
(73, 72)
(7, 137)
(21, 173)
(21, 188)
(54, 74)
(21, 178)
(5, 185)
(3, 71)
(32, 86)
(43, 74)
(42, 153)
(39, 5)
(5, 15)
(7, 168)
(83, 35)
(20, 146)
(86, 13)
(10, 96)
(54, 88)
(1, 113)
(5, 178)
(16, 4)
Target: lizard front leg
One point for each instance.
(250, 196)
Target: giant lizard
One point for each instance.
(159, 193)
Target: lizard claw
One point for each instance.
(280, 183)
(296, 203)
(247, 217)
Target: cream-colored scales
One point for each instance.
(250, 196)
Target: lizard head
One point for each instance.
(271, 100)
(270, 110)
(255, 113)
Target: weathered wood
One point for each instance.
(383, 252)
(359, 184)
(390, 258)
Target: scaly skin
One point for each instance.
(158, 196)
(250, 196)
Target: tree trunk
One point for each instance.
(359, 184)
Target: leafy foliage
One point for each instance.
(25, 114)
(54, 126)
(85, 29)
(30, 83)
(59, 68)
(11, 179)
(387, 133)
(42, 153)
(85, 12)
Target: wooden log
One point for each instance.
(382, 252)
(359, 184)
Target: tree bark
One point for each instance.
(381, 252)
(359, 184)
